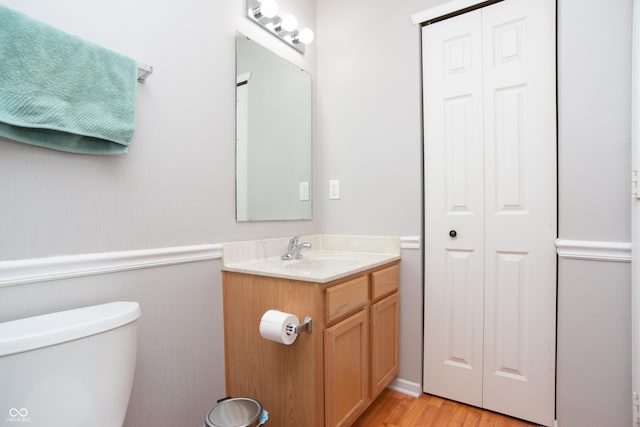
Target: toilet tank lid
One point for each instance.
(36, 332)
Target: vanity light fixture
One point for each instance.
(265, 14)
(289, 22)
(305, 36)
(265, 8)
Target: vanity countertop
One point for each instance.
(330, 258)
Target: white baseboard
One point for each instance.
(406, 387)
(63, 267)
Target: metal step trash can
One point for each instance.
(236, 412)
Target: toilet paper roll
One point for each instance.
(273, 326)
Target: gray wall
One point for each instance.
(180, 362)
(369, 134)
(369, 137)
(594, 297)
(594, 344)
(176, 186)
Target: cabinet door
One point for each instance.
(384, 343)
(346, 369)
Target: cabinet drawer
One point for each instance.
(384, 281)
(346, 297)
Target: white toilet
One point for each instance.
(71, 368)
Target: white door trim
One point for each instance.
(635, 213)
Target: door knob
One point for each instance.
(453, 233)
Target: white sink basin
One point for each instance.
(320, 261)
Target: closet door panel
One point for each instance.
(520, 216)
(454, 266)
(490, 179)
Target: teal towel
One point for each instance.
(61, 92)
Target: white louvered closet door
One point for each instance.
(490, 208)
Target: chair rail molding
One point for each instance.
(410, 242)
(594, 250)
(33, 270)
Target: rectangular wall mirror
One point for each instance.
(273, 136)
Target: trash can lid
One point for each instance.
(236, 412)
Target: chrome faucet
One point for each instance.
(293, 251)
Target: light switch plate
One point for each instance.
(304, 191)
(334, 189)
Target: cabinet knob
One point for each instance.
(453, 233)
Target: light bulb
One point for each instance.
(289, 22)
(305, 36)
(269, 8)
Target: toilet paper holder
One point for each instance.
(296, 329)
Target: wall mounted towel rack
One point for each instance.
(144, 71)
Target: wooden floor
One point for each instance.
(393, 409)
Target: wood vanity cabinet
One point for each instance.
(327, 377)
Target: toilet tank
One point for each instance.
(70, 368)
